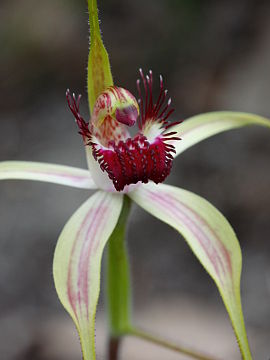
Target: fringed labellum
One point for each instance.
(128, 160)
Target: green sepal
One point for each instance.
(210, 237)
(203, 126)
(99, 76)
(77, 262)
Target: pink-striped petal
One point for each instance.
(53, 173)
(210, 237)
(202, 126)
(77, 260)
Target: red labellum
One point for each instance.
(135, 160)
(146, 156)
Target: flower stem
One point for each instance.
(118, 277)
(169, 345)
(118, 294)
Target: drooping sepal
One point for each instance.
(77, 261)
(210, 237)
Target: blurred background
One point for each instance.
(214, 55)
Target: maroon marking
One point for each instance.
(135, 160)
(73, 294)
(75, 178)
(85, 260)
(127, 115)
(172, 206)
(74, 107)
(159, 111)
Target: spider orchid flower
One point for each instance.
(125, 160)
(125, 169)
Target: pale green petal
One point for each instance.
(202, 126)
(53, 173)
(210, 237)
(77, 260)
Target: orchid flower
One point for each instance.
(125, 169)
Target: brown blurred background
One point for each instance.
(214, 55)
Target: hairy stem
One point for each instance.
(118, 277)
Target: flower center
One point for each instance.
(126, 160)
(114, 110)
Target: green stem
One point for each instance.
(164, 343)
(118, 277)
(118, 294)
